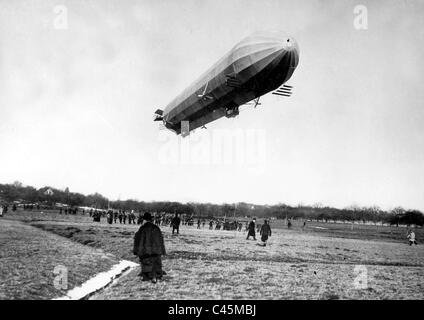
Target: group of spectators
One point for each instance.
(149, 244)
(166, 219)
(130, 217)
(119, 215)
(69, 210)
(5, 207)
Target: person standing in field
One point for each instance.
(96, 216)
(218, 225)
(149, 246)
(251, 230)
(175, 224)
(109, 217)
(411, 238)
(132, 216)
(265, 232)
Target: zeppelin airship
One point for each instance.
(259, 64)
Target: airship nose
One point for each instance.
(289, 44)
(291, 49)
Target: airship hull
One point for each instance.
(255, 66)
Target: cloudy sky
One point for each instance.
(77, 95)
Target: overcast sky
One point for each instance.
(76, 104)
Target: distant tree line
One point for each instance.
(49, 196)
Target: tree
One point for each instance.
(408, 217)
(397, 213)
(227, 210)
(18, 184)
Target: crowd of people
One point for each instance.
(167, 219)
(5, 207)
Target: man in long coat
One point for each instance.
(149, 247)
(110, 217)
(265, 232)
(251, 228)
(175, 224)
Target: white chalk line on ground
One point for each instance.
(99, 281)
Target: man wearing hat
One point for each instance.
(149, 246)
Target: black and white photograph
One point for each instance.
(211, 150)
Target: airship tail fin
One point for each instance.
(285, 91)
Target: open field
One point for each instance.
(339, 230)
(31, 259)
(314, 263)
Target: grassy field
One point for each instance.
(29, 258)
(323, 261)
(352, 231)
